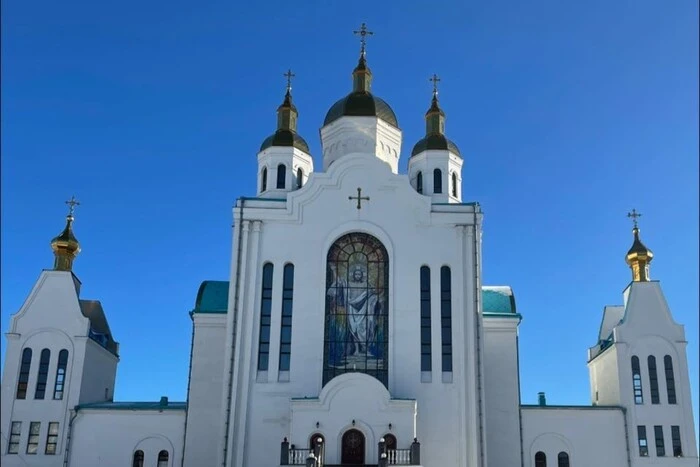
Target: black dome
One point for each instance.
(285, 138)
(435, 141)
(361, 104)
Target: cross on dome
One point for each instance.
(363, 33)
(435, 79)
(72, 203)
(289, 75)
(634, 215)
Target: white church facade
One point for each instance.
(372, 342)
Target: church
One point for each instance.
(372, 342)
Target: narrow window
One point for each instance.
(446, 317)
(265, 313)
(286, 332)
(300, 178)
(653, 380)
(317, 445)
(163, 458)
(60, 374)
(437, 181)
(263, 182)
(419, 182)
(33, 440)
(563, 459)
(43, 375)
(659, 438)
(425, 326)
(52, 438)
(281, 175)
(642, 441)
(670, 381)
(24, 374)
(138, 459)
(454, 184)
(676, 441)
(637, 381)
(15, 432)
(540, 459)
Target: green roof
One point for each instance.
(497, 300)
(212, 297)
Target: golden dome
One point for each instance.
(638, 258)
(65, 246)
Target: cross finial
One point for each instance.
(72, 202)
(634, 215)
(363, 33)
(289, 75)
(435, 80)
(359, 198)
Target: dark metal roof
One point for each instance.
(285, 138)
(361, 104)
(435, 141)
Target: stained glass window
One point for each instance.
(357, 318)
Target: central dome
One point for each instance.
(361, 104)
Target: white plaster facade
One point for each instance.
(460, 413)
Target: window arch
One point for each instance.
(653, 380)
(437, 181)
(60, 374)
(286, 327)
(446, 317)
(540, 459)
(43, 374)
(357, 299)
(563, 459)
(163, 458)
(317, 441)
(138, 459)
(419, 182)
(23, 380)
(281, 176)
(425, 322)
(670, 380)
(637, 381)
(265, 318)
(300, 177)
(454, 184)
(263, 180)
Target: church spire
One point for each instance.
(435, 117)
(287, 114)
(639, 256)
(65, 246)
(361, 75)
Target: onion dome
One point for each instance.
(361, 102)
(639, 256)
(65, 246)
(287, 115)
(435, 128)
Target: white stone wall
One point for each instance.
(293, 159)
(448, 163)
(110, 437)
(99, 373)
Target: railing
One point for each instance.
(399, 456)
(290, 455)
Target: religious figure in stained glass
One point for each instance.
(356, 331)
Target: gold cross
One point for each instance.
(289, 75)
(634, 215)
(359, 198)
(435, 79)
(72, 202)
(363, 32)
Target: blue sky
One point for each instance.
(568, 114)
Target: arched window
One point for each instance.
(163, 458)
(653, 380)
(670, 380)
(43, 374)
(300, 178)
(357, 299)
(419, 182)
(317, 445)
(446, 317)
(281, 176)
(24, 368)
(263, 181)
(437, 181)
(265, 317)
(425, 323)
(540, 459)
(60, 374)
(138, 459)
(637, 381)
(563, 459)
(454, 184)
(286, 328)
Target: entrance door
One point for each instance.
(353, 448)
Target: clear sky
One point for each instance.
(568, 114)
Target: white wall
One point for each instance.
(99, 373)
(110, 437)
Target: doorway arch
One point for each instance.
(353, 448)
